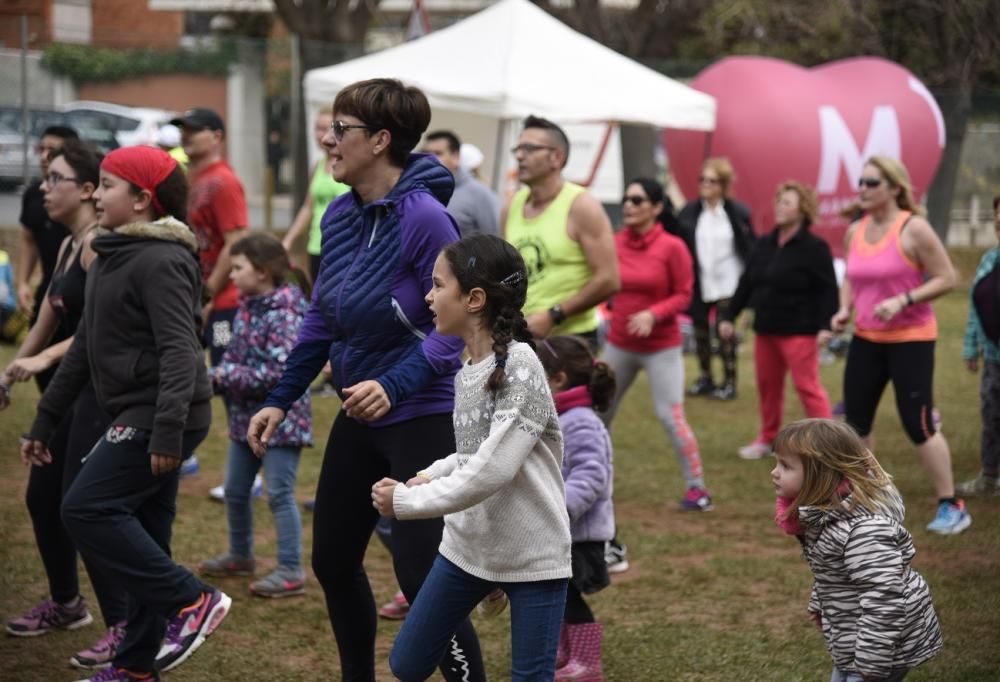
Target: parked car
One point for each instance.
(128, 125)
(12, 141)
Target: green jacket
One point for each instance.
(976, 343)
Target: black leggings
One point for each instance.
(577, 611)
(703, 340)
(79, 430)
(910, 367)
(356, 457)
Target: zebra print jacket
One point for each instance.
(876, 611)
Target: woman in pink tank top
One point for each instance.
(896, 266)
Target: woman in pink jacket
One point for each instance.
(657, 280)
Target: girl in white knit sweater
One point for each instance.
(501, 492)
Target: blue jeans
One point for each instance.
(448, 596)
(280, 467)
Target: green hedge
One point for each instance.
(88, 64)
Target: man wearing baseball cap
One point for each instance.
(217, 212)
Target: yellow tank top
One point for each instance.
(557, 268)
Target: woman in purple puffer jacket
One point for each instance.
(580, 385)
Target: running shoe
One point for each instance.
(49, 616)
(227, 565)
(981, 485)
(493, 604)
(101, 653)
(189, 628)
(189, 467)
(614, 557)
(696, 499)
(755, 450)
(282, 582)
(119, 675)
(396, 609)
(218, 493)
(702, 386)
(951, 519)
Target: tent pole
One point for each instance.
(708, 145)
(498, 158)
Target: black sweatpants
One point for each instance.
(121, 516)
(358, 455)
(910, 367)
(79, 430)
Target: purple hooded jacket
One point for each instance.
(587, 469)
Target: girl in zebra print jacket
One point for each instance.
(874, 610)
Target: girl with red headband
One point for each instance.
(142, 310)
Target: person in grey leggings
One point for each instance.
(657, 280)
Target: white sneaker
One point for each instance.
(756, 450)
(218, 493)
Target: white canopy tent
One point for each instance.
(482, 75)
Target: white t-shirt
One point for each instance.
(719, 266)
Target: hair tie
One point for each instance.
(502, 361)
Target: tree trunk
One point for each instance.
(312, 55)
(639, 151)
(955, 108)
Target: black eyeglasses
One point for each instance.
(528, 148)
(53, 179)
(339, 128)
(870, 183)
(634, 199)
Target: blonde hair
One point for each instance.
(832, 452)
(896, 175)
(721, 166)
(808, 202)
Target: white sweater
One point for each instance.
(502, 492)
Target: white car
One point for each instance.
(129, 126)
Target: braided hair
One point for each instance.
(572, 356)
(489, 263)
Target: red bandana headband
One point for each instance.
(144, 167)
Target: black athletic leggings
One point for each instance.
(910, 367)
(356, 457)
(77, 433)
(577, 611)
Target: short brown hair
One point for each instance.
(387, 104)
(808, 202)
(723, 169)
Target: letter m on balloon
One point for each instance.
(840, 149)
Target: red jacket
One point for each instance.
(657, 275)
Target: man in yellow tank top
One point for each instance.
(563, 234)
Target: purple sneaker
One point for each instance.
(120, 675)
(696, 499)
(188, 630)
(102, 652)
(49, 616)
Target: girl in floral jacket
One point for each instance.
(264, 331)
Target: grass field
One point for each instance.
(715, 596)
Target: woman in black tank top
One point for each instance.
(69, 185)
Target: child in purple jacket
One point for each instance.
(264, 331)
(581, 384)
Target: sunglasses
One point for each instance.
(711, 181)
(339, 128)
(528, 148)
(634, 199)
(870, 183)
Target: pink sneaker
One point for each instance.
(756, 450)
(395, 609)
(101, 653)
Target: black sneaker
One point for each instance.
(703, 386)
(724, 392)
(614, 557)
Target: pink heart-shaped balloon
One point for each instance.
(778, 121)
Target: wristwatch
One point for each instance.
(557, 314)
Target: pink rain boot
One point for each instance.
(585, 654)
(562, 653)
